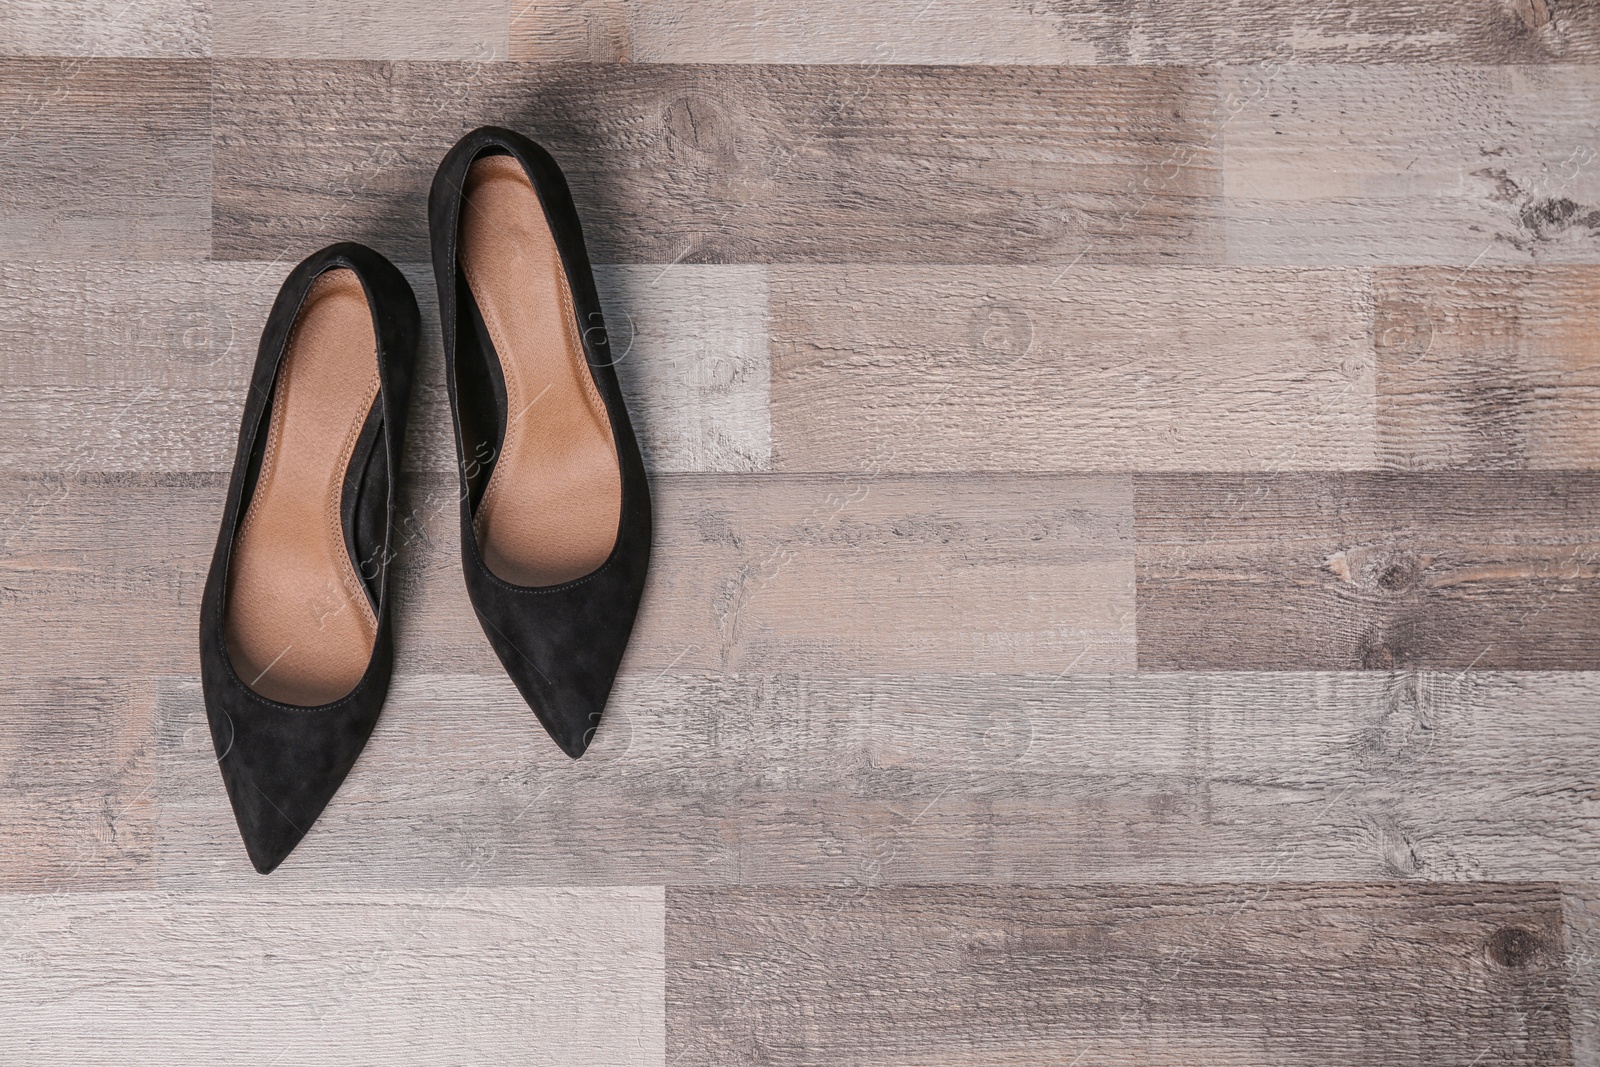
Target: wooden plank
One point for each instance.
(691, 347)
(1489, 368)
(78, 797)
(709, 778)
(363, 29)
(972, 31)
(1348, 570)
(840, 574)
(750, 571)
(481, 975)
(1581, 908)
(1095, 368)
(143, 366)
(105, 157)
(1138, 974)
(126, 366)
(746, 164)
(1415, 165)
(105, 570)
(104, 28)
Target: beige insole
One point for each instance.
(550, 511)
(299, 625)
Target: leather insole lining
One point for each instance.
(554, 500)
(299, 625)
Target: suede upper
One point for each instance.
(561, 644)
(280, 763)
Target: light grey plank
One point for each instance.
(127, 366)
(1011, 31)
(131, 366)
(361, 29)
(570, 976)
(105, 570)
(1581, 910)
(175, 28)
(1428, 165)
(1090, 368)
(78, 794)
(804, 777)
(751, 571)
(818, 31)
(691, 345)
(836, 573)
(1003, 975)
(1489, 368)
(105, 158)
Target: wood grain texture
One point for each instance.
(475, 975)
(117, 366)
(840, 574)
(361, 29)
(1489, 368)
(1093, 368)
(103, 573)
(981, 354)
(1414, 165)
(699, 777)
(1016, 975)
(975, 31)
(142, 366)
(750, 571)
(105, 157)
(738, 163)
(1343, 571)
(692, 353)
(78, 792)
(175, 28)
(1581, 913)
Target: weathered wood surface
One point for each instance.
(1581, 912)
(176, 28)
(1350, 570)
(750, 572)
(1092, 368)
(143, 366)
(361, 29)
(981, 31)
(700, 777)
(105, 157)
(1324, 165)
(941, 372)
(841, 574)
(745, 164)
(1467, 166)
(139, 366)
(78, 789)
(474, 975)
(102, 574)
(1017, 975)
(1489, 368)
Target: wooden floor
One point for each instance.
(1127, 585)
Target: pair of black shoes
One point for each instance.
(296, 648)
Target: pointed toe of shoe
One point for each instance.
(274, 818)
(572, 722)
(267, 845)
(282, 765)
(565, 676)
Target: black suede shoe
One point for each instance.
(295, 646)
(555, 510)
